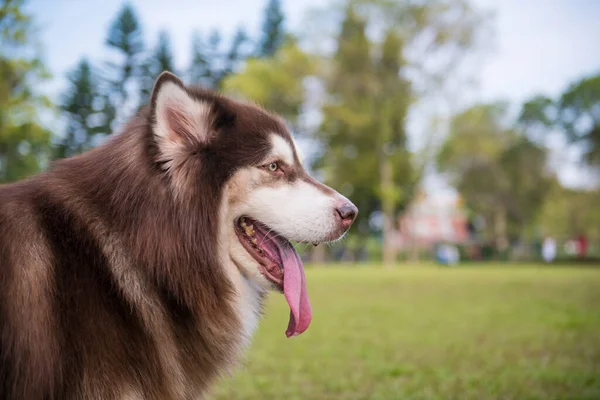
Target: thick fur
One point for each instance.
(119, 273)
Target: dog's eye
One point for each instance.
(273, 167)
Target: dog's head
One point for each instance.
(266, 197)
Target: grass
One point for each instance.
(425, 332)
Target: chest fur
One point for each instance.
(249, 307)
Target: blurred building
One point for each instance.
(432, 219)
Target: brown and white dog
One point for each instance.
(137, 270)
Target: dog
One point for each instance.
(138, 269)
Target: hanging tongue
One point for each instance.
(294, 289)
(294, 281)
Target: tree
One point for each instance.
(215, 59)
(235, 54)
(436, 34)
(82, 104)
(569, 213)
(161, 59)
(199, 72)
(273, 33)
(372, 83)
(211, 65)
(579, 116)
(525, 166)
(396, 173)
(24, 143)
(125, 38)
(537, 113)
(576, 113)
(275, 83)
(500, 173)
(350, 146)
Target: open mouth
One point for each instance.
(281, 265)
(263, 244)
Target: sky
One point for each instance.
(538, 47)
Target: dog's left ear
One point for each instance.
(178, 117)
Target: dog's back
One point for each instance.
(81, 313)
(61, 311)
(28, 340)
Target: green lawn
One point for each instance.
(426, 332)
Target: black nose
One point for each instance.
(347, 211)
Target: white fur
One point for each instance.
(172, 144)
(244, 266)
(240, 267)
(299, 152)
(249, 307)
(300, 211)
(282, 149)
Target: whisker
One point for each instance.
(276, 235)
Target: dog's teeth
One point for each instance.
(249, 230)
(254, 241)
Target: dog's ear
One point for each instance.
(178, 117)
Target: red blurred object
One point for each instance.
(582, 245)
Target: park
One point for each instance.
(497, 331)
(465, 132)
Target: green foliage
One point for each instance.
(273, 33)
(524, 165)
(576, 113)
(125, 35)
(372, 81)
(125, 38)
(215, 58)
(235, 54)
(161, 59)
(439, 34)
(499, 172)
(99, 99)
(350, 137)
(24, 144)
(23, 150)
(476, 133)
(210, 64)
(579, 115)
(83, 106)
(199, 72)
(537, 112)
(277, 82)
(571, 212)
(485, 332)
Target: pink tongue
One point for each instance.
(294, 288)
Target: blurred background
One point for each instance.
(466, 131)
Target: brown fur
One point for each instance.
(110, 284)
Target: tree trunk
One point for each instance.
(387, 208)
(500, 229)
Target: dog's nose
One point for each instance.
(347, 212)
